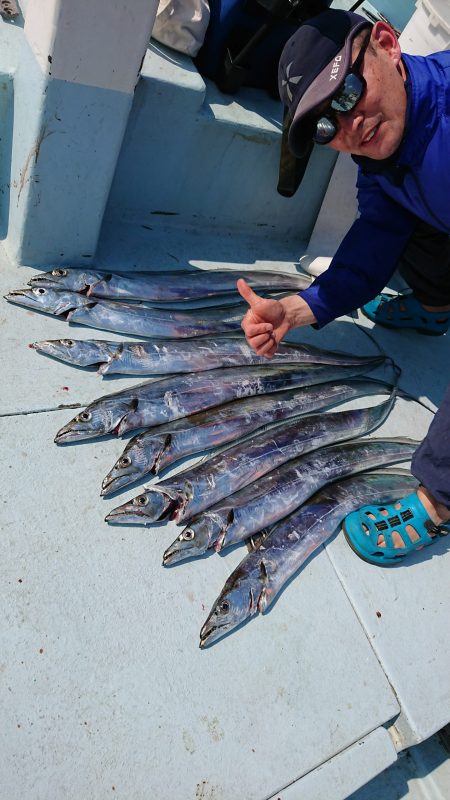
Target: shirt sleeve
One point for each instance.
(366, 258)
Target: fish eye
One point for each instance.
(85, 416)
(67, 342)
(59, 273)
(224, 607)
(125, 461)
(39, 290)
(142, 500)
(188, 535)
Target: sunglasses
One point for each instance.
(346, 99)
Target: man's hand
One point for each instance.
(267, 321)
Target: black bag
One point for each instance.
(244, 40)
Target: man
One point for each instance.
(347, 85)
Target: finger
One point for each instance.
(247, 292)
(268, 349)
(260, 341)
(251, 328)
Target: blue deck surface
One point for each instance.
(105, 685)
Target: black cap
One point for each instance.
(313, 65)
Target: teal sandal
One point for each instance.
(362, 529)
(404, 311)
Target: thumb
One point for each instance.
(247, 292)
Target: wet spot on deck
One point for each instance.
(214, 729)
(188, 742)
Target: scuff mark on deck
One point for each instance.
(34, 153)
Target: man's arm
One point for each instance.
(364, 262)
(366, 258)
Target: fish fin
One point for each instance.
(263, 600)
(252, 607)
(263, 572)
(255, 542)
(167, 442)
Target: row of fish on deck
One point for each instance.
(282, 475)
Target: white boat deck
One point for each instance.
(105, 691)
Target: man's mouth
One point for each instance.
(371, 135)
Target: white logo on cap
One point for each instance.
(287, 81)
(335, 68)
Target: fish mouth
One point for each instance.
(117, 517)
(104, 366)
(50, 282)
(16, 293)
(66, 434)
(45, 283)
(112, 484)
(170, 556)
(212, 633)
(205, 635)
(183, 549)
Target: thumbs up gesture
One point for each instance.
(267, 321)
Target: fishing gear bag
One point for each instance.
(244, 40)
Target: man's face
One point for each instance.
(376, 125)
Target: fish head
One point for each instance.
(81, 353)
(237, 602)
(140, 457)
(76, 280)
(150, 506)
(50, 301)
(194, 540)
(97, 419)
(64, 349)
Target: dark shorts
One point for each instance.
(425, 265)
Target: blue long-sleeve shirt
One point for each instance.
(415, 186)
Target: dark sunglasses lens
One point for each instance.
(349, 94)
(325, 131)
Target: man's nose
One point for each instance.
(352, 121)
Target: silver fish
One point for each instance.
(193, 490)
(166, 286)
(134, 319)
(261, 575)
(156, 449)
(264, 502)
(182, 355)
(158, 401)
